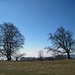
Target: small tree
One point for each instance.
(62, 41)
(10, 40)
(40, 53)
(17, 56)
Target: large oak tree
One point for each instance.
(10, 40)
(62, 41)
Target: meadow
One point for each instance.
(55, 67)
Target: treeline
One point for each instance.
(42, 59)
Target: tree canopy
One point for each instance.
(10, 40)
(62, 41)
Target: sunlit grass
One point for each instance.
(56, 67)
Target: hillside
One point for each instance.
(56, 67)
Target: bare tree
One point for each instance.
(10, 40)
(17, 56)
(62, 42)
(40, 53)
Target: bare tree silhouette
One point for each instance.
(62, 42)
(10, 40)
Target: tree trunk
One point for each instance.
(9, 57)
(16, 58)
(68, 54)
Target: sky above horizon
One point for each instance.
(36, 18)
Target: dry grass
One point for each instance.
(56, 67)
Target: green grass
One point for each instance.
(56, 67)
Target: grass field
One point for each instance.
(56, 67)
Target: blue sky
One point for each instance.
(36, 18)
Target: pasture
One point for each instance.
(56, 67)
